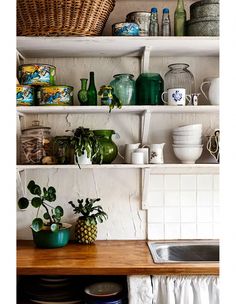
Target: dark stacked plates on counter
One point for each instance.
(50, 290)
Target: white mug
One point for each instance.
(145, 152)
(156, 153)
(129, 148)
(137, 158)
(176, 97)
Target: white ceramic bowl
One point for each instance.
(189, 133)
(188, 154)
(197, 141)
(189, 127)
(187, 138)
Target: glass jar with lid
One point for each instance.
(179, 76)
(35, 145)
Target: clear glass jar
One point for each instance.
(179, 76)
(35, 145)
(124, 88)
(62, 150)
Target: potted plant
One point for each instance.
(48, 232)
(89, 216)
(86, 146)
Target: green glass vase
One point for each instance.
(149, 87)
(109, 148)
(180, 19)
(124, 88)
(83, 94)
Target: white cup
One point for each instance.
(176, 97)
(145, 152)
(137, 158)
(129, 148)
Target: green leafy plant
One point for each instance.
(88, 212)
(52, 216)
(108, 97)
(83, 140)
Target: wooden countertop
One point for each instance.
(101, 258)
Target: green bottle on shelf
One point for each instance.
(180, 19)
(92, 92)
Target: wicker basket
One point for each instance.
(62, 17)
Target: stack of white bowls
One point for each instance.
(187, 143)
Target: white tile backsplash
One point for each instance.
(172, 182)
(188, 182)
(183, 206)
(204, 182)
(204, 198)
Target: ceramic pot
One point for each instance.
(83, 159)
(50, 239)
(110, 149)
(213, 93)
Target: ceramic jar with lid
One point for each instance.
(35, 145)
(179, 76)
(124, 88)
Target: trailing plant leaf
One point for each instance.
(33, 188)
(37, 224)
(23, 203)
(46, 216)
(59, 211)
(36, 202)
(54, 227)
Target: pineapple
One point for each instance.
(90, 215)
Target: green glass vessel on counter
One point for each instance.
(92, 92)
(124, 88)
(83, 94)
(109, 148)
(180, 19)
(149, 87)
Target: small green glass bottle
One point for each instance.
(92, 92)
(180, 19)
(83, 94)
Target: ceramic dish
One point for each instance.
(58, 302)
(103, 289)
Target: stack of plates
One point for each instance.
(104, 293)
(187, 143)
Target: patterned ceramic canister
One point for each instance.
(142, 19)
(125, 29)
(25, 95)
(61, 95)
(37, 74)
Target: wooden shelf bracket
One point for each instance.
(145, 184)
(145, 59)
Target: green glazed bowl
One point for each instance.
(49, 239)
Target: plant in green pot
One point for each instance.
(86, 146)
(48, 232)
(89, 216)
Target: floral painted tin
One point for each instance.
(37, 74)
(25, 95)
(61, 95)
(125, 29)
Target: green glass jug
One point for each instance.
(109, 148)
(149, 87)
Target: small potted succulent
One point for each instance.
(86, 146)
(48, 232)
(89, 216)
(108, 97)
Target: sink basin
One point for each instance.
(184, 251)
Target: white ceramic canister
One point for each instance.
(156, 153)
(137, 158)
(145, 152)
(214, 90)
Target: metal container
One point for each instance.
(61, 95)
(125, 29)
(37, 74)
(35, 144)
(25, 95)
(208, 26)
(202, 9)
(143, 21)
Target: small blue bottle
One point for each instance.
(154, 27)
(165, 24)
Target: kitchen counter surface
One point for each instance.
(101, 258)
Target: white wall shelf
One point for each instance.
(124, 110)
(161, 169)
(110, 46)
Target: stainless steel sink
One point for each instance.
(184, 251)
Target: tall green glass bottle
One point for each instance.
(180, 19)
(92, 92)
